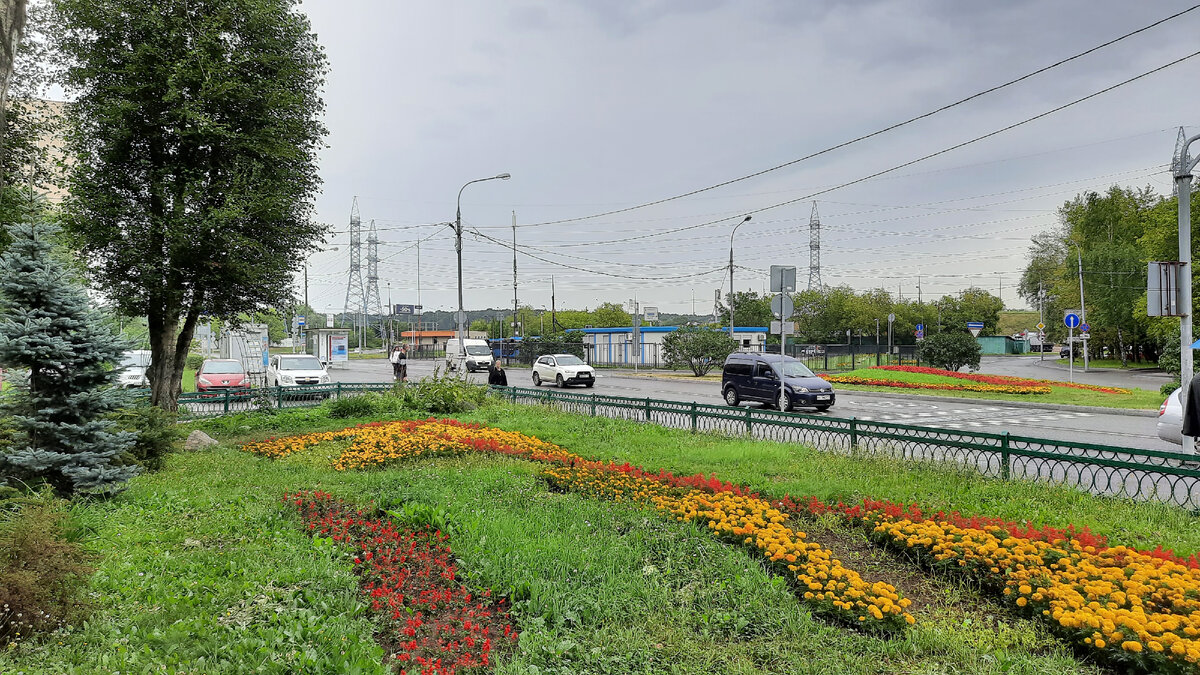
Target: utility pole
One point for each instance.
(1182, 166)
(553, 313)
(1082, 307)
(1041, 322)
(514, 322)
(416, 333)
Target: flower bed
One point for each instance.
(1000, 379)
(987, 388)
(435, 625)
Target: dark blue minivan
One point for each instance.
(755, 377)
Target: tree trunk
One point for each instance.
(169, 344)
(12, 25)
(1121, 346)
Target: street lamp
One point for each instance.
(461, 317)
(735, 229)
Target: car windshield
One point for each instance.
(569, 361)
(478, 350)
(222, 367)
(310, 363)
(794, 369)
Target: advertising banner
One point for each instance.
(339, 348)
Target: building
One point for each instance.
(435, 339)
(614, 346)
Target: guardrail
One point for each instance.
(1111, 471)
(193, 405)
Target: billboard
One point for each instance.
(339, 348)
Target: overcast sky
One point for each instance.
(603, 105)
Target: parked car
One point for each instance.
(221, 375)
(133, 368)
(563, 369)
(755, 377)
(295, 370)
(1064, 352)
(1170, 419)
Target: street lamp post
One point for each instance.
(735, 229)
(1182, 166)
(458, 249)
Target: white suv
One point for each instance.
(296, 370)
(563, 369)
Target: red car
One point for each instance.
(221, 375)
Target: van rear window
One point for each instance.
(740, 369)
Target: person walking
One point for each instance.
(394, 357)
(402, 359)
(496, 375)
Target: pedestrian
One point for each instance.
(402, 359)
(394, 357)
(496, 375)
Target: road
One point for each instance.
(1127, 431)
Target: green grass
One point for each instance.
(1112, 363)
(201, 569)
(1141, 399)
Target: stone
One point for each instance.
(198, 440)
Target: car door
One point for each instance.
(539, 367)
(765, 383)
(551, 370)
(273, 372)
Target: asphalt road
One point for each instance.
(1055, 423)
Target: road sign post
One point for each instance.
(1071, 320)
(783, 282)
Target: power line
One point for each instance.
(914, 161)
(874, 133)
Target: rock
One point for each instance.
(198, 440)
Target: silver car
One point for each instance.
(1170, 419)
(563, 369)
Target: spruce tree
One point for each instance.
(49, 330)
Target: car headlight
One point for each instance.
(800, 390)
(324, 379)
(204, 380)
(286, 379)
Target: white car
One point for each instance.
(133, 369)
(563, 369)
(1170, 419)
(296, 370)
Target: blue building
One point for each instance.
(614, 346)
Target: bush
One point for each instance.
(41, 570)
(951, 351)
(364, 405)
(193, 361)
(156, 432)
(441, 394)
(1169, 387)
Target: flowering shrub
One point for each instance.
(989, 388)
(434, 625)
(1000, 379)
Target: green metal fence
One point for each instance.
(194, 405)
(1143, 475)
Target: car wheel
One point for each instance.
(822, 408)
(783, 401)
(589, 385)
(559, 381)
(731, 396)
(537, 379)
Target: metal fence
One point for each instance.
(193, 405)
(1110, 471)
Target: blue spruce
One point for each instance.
(49, 330)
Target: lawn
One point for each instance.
(1060, 392)
(201, 568)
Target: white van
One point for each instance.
(473, 354)
(133, 368)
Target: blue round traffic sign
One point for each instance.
(1071, 320)
(1085, 328)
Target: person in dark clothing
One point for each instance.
(496, 375)
(1191, 409)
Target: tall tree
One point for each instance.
(12, 25)
(194, 133)
(51, 332)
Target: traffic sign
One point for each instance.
(891, 318)
(1071, 320)
(920, 332)
(1084, 336)
(1041, 327)
(1084, 327)
(782, 306)
(783, 279)
(783, 327)
(299, 321)
(976, 327)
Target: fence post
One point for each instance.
(339, 391)
(226, 401)
(749, 426)
(279, 397)
(593, 405)
(693, 417)
(1004, 456)
(853, 435)
(647, 409)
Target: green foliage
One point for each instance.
(363, 405)
(156, 433)
(193, 145)
(749, 309)
(700, 349)
(610, 315)
(951, 351)
(42, 572)
(49, 331)
(194, 361)
(441, 394)
(563, 343)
